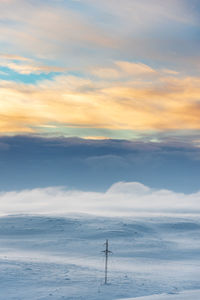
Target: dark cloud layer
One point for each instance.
(29, 162)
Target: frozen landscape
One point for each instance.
(99, 149)
(46, 257)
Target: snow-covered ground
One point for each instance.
(188, 295)
(60, 258)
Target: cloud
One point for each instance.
(122, 199)
(49, 31)
(124, 69)
(141, 75)
(106, 73)
(151, 11)
(31, 68)
(14, 57)
(134, 68)
(24, 65)
(79, 35)
(161, 102)
(30, 162)
(96, 138)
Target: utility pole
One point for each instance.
(106, 262)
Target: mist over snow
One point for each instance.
(121, 199)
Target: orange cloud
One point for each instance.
(134, 68)
(24, 65)
(162, 102)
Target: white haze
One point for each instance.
(121, 199)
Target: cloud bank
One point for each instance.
(121, 199)
(94, 165)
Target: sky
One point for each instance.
(113, 69)
(98, 92)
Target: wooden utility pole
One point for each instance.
(106, 262)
